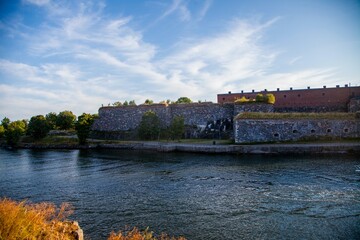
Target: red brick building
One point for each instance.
(317, 99)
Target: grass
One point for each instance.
(135, 234)
(330, 115)
(44, 221)
(22, 220)
(51, 140)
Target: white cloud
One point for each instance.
(85, 59)
(38, 2)
(204, 9)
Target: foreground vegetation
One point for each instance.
(22, 220)
(328, 115)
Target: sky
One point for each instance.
(80, 55)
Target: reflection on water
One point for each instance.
(198, 196)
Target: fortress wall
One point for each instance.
(126, 118)
(276, 130)
(303, 100)
(201, 113)
(252, 107)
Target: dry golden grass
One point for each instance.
(21, 220)
(135, 234)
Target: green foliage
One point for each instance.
(5, 122)
(148, 101)
(117, 104)
(14, 132)
(177, 127)
(149, 127)
(132, 103)
(83, 126)
(65, 120)
(183, 100)
(51, 120)
(259, 98)
(38, 127)
(2, 131)
(126, 103)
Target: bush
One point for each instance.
(177, 128)
(243, 99)
(270, 98)
(14, 132)
(149, 127)
(183, 100)
(5, 122)
(135, 234)
(21, 220)
(38, 127)
(65, 120)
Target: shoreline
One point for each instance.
(278, 148)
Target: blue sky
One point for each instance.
(78, 55)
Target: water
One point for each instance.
(197, 196)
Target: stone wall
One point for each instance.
(252, 107)
(127, 118)
(278, 130)
(354, 105)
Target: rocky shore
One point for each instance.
(291, 148)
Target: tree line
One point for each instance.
(39, 126)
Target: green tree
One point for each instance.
(14, 132)
(5, 122)
(117, 104)
(38, 127)
(259, 97)
(83, 126)
(183, 100)
(132, 103)
(148, 101)
(51, 119)
(149, 127)
(177, 127)
(126, 103)
(65, 120)
(2, 131)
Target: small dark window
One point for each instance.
(223, 98)
(299, 95)
(284, 96)
(276, 135)
(323, 94)
(328, 130)
(295, 131)
(312, 131)
(346, 130)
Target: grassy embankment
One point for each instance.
(21, 220)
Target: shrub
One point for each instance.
(177, 127)
(259, 98)
(21, 220)
(243, 99)
(135, 234)
(38, 127)
(183, 100)
(149, 127)
(5, 122)
(270, 98)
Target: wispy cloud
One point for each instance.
(204, 9)
(85, 58)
